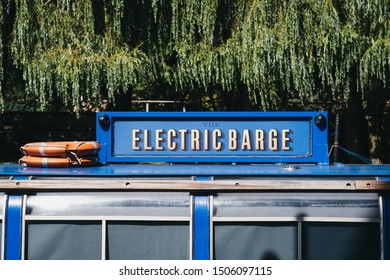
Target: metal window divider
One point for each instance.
(381, 217)
(211, 203)
(104, 239)
(202, 222)
(2, 237)
(14, 221)
(299, 239)
(13, 227)
(385, 224)
(23, 242)
(191, 223)
(201, 227)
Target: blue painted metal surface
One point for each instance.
(213, 137)
(118, 170)
(201, 219)
(13, 227)
(201, 228)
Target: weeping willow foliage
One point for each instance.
(272, 49)
(56, 45)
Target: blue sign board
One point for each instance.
(213, 137)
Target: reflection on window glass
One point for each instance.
(341, 241)
(108, 204)
(255, 241)
(294, 205)
(1, 203)
(63, 240)
(148, 240)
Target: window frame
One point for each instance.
(104, 219)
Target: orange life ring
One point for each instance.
(61, 149)
(33, 161)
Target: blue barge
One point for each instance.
(233, 185)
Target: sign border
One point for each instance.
(105, 134)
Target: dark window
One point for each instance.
(148, 240)
(255, 240)
(341, 241)
(63, 240)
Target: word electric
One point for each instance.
(207, 140)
